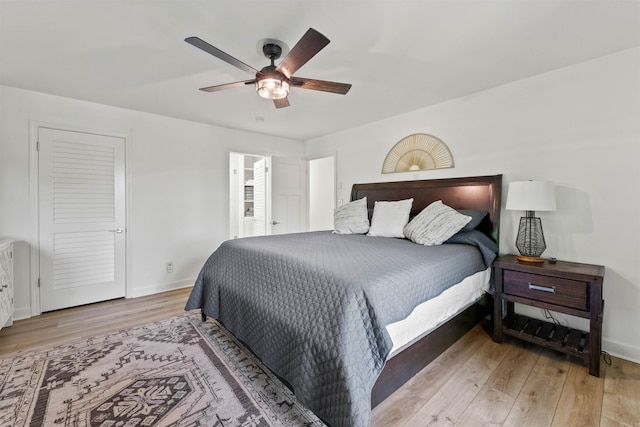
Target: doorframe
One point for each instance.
(228, 177)
(34, 178)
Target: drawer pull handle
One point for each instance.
(551, 290)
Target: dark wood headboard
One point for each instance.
(476, 192)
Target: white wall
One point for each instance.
(178, 180)
(579, 127)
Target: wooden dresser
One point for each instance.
(6, 283)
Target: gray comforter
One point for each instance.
(314, 306)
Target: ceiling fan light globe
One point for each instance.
(272, 88)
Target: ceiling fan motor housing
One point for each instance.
(272, 51)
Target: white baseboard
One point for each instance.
(22, 313)
(614, 348)
(25, 312)
(621, 350)
(155, 289)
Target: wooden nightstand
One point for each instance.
(564, 287)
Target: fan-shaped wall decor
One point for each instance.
(417, 152)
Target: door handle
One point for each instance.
(274, 223)
(117, 230)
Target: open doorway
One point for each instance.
(274, 195)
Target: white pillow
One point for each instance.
(389, 218)
(435, 224)
(351, 218)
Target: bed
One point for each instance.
(316, 307)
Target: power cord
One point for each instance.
(549, 316)
(606, 356)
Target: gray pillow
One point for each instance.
(476, 218)
(351, 218)
(435, 224)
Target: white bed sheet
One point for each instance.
(434, 312)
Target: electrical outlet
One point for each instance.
(170, 267)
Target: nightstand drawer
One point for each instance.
(552, 290)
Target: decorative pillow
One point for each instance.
(476, 218)
(389, 218)
(435, 224)
(351, 218)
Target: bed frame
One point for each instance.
(482, 193)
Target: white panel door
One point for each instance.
(82, 218)
(322, 193)
(288, 195)
(260, 189)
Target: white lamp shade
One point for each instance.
(531, 196)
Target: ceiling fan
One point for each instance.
(274, 82)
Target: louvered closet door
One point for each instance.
(82, 218)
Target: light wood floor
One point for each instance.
(475, 382)
(91, 320)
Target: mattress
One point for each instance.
(432, 313)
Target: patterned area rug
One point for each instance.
(175, 372)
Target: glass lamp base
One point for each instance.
(530, 241)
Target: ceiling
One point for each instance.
(399, 55)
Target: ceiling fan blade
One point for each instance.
(307, 47)
(281, 103)
(321, 85)
(203, 45)
(218, 88)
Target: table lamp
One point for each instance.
(531, 196)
